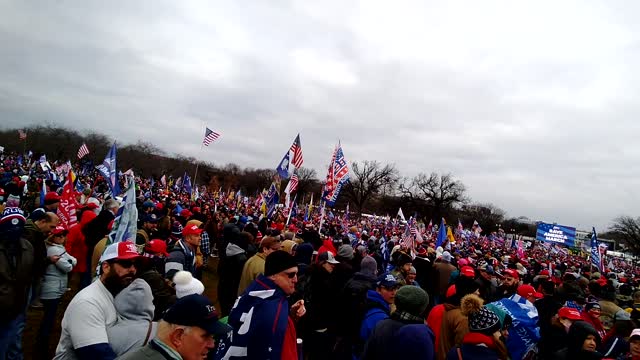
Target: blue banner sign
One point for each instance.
(559, 234)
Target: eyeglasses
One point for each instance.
(292, 274)
(125, 263)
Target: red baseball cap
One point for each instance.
(512, 273)
(451, 291)
(60, 229)
(156, 246)
(51, 197)
(468, 272)
(123, 250)
(544, 272)
(192, 229)
(528, 291)
(569, 313)
(186, 213)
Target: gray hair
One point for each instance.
(110, 204)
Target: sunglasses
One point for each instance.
(292, 274)
(125, 263)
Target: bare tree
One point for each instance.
(628, 229)
(435, 194)
(307, 181)
(366, 181)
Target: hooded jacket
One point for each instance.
(385, 334)
(378, 310)
(55, 276)
(229, 271)
(453, 329)
(134, 327)
(15, 276)
(578, 332)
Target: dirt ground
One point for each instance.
(34, 316)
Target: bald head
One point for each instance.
(48, 222)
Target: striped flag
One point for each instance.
(296, 149)
(293, 184)
(83, 151)
(22, 134)
(209, 137)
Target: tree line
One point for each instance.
(374, 188)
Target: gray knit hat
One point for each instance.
(369, 266)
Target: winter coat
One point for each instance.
(443, 272)
(318, 299)
(134, 327)
(163, 295)
(55, 276)
(181, 257)
(252, 268)
(76, 243)
(36, 237)
(229, 272)
(97, 229)
(610, 313)
(578, 332)
(434, 320)
(453, 329)
(475, 346)
(378, 310)
(260, 321)
(384, 340)
(16, 274)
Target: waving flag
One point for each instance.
(296, 150)
(109, 171)
(283, 167)
(163, 181)
(338, 175)
(209, 137)
(442, 233)
(186, 183)
(401, 214)
(292, 186)
(595, 251)
(83, 151)
(125, 225)
(68, 203)
(271, 200)
(460, 228)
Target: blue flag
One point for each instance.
(43, 192)
(19, 160)
(109, 171)
(283, 167)
(294, 209)
(442, 233)
(595, 251)
(524, 333)
(186, 183)
(125, 224)
(272, 200)
(79, 186)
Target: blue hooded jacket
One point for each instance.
(378, 309)
(259, 321)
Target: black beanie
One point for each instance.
(278, 261)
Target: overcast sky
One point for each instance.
(533, 106)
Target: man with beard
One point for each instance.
(510, 283)
(92, 310)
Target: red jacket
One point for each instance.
(76, 245)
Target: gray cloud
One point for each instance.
(532, 105)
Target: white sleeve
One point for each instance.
(87, 325)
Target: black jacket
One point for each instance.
(377, 346)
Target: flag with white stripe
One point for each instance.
(209, 137)
(83, 151)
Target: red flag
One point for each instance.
(68, 202)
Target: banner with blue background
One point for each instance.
(559, 234)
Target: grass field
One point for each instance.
(34, 316)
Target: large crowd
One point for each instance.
(313, 284)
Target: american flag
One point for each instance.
(296, 149)
(407, 237)
(83, 151)
(293, 183)
(22, 134)
(209, 137)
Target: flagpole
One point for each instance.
(291, 210)
(195, 176)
